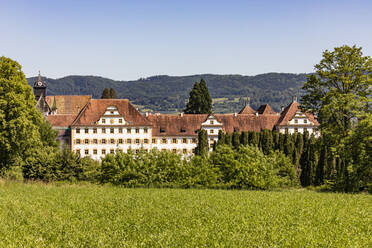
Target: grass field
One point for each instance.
(37, 215)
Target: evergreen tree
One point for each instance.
(221, 138)
(322, 164)
(235, 139)
(200, 102)
(288, 144)
(244, 138)
(309, 160)
(202, 147)
(206, 98)
(276, 140)
(266, 141)
(281, 142)
(113, 93)
(105, 94)
(254, 139)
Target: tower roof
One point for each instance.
(39, 83)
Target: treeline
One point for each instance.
(312, 159)
(245, 167)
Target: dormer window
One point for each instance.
(212, 122)
(112, 111)
(296, 121)
(305, 121)
(120, 120)
(103, 121)
(183, 130)
(162, 130)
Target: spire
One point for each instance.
(247, 101)
(39, 79)
(294, 99)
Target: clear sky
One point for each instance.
(131, 39)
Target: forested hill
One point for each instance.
(170, 93)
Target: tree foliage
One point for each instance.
(22, 127)
(200, 102)
(108, 94)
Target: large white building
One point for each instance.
(96, 127)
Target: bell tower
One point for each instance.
(39, 88)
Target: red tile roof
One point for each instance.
(247, 110)
(97, 107)
(61, 120)
(68, 104)
(265, 110)
(290, 111)
(171, 124)
(242, 123)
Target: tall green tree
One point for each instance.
(113, 94)
(235, 139)
(202, 147)
(339, 93)
(105, 94)
(200, 102)
(22, 127)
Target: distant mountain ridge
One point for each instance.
(169, 93)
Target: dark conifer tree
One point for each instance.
(112, 94)
(288, 145)
(266, 141)
(275, 140)
(202, 147)
(221, 138)
(244, 136)
(195, 100)
(281, 142)
(105, 94)
(206, 98)
(235, 139)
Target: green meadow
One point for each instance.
(61, 215)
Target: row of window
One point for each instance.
(111, 130)
(133, 141)
(103, 121)
(112, 151)
(296, 121)
(295, 129)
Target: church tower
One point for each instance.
(39, 88)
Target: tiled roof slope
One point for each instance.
(247, 110)
(61, 120)
(172, 124)
(68, 104)
(265, 110)
(242, 123)
(290, 111)
(97, 107)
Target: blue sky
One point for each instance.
(131, 39)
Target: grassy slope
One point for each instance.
(36, 215)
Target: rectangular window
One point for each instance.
(112, 151)
(94, 130)
(77, 130)
(174, 141)
(120, 150)
(112, 141)
(137, 141)
(103, 130)
(120, 141)
(129, 130)
(296, 130)
(184, 141)
(164, 141)
(146, 141)
(111, 130)
(212, 131)
(103, 141)
(174, 150)
(120, 120)
(305, 121)
(103, 151)
(129, 141)
(120, 130)
(184, 151)
(77, 141)
(163, 150)
(86, 151)
(212, 122)
(137, 150)
(145, 130)
(95, 141)
(95, 151)
(137, 130)
(296, 121)
(103, 120)
(193, 150)
(194, 140)
(112, 112)
(86, 141)
(86, 130)
(78, 151)
(153, 141)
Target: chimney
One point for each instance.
(235, 114)
(257, 114)
(294, 99)
(147, 114)
(181, 114)
(281, 108)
